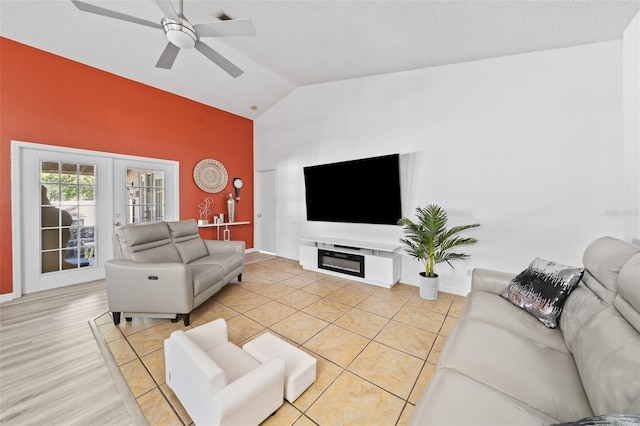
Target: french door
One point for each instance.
(67, 204)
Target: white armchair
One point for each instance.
(217, 382)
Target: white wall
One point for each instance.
(530, 146)
(630, 213)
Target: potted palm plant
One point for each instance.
(429, 241)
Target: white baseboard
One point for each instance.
(255, 250)
(452, 290)
(443, 288)
(7, 297)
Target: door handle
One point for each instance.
(117, 224)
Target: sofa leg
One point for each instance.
(128, 319)
(116, 318)
(240, 278)
(187, 320)
(174, 319)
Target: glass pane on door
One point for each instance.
(68, 211)
(145, 201)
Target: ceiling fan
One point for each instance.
(182, 34)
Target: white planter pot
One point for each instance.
(428, 287)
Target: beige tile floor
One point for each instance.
(376, 348)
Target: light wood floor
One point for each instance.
(51, 369)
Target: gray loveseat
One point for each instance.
(165, 269)
(501, 366)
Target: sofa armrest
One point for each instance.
(209, 335)
(162, 287)
(219, 246)
(490, 281)
(260, 390)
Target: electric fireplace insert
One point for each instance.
(345, 263)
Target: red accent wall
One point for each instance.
(51, 100)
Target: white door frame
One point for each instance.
(17, 148)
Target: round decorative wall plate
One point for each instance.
(210, 176)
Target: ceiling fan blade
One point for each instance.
(86, 7)
(168, 57)
(168, 10)
(230, 28)
(218, 59)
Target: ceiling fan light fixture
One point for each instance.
(181, 34)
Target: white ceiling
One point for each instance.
(307, 42)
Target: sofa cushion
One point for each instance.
(440, 404)
(204, 276)
(606, 350)
(191, 250)
(147, 243)
(185, 236)
(627, 302)
(541, 377)
(232, 360)
(228, 261)
(599, 324)
(486, 307)
(542, 289)
(165, 253)
(133, 235)
(578, 311)
(603, 259)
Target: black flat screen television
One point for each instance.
(359, 191)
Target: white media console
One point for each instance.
(364, 261)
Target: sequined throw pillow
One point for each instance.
(542, 289)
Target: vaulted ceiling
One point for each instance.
(305, 42)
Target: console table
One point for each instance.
(226, 233)
(369, 262)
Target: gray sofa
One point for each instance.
(165, 269)
(501, 366)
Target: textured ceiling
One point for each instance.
(308, 42)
